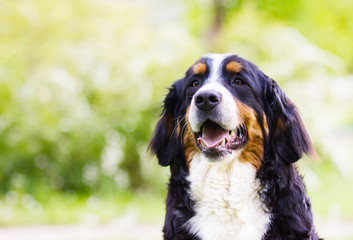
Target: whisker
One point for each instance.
(183, 131)
(176, 126)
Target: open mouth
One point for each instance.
(215, 140)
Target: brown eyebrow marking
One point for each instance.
(234, 67)
(199, 68)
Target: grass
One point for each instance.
(70, 209)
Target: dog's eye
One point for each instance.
(195, 83)
(237, 82)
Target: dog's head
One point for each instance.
(224, 108)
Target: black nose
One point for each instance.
(207, 100)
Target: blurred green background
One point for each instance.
(82, 81)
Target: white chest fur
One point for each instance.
(227, 203)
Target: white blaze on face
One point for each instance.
(227, 203)
(225, 114)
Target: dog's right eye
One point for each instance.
(195, 83)
(237, 82)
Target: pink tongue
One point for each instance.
(213, 134)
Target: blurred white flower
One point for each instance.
(112, 152)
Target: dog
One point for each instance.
(230, 137)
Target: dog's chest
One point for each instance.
(227, 203)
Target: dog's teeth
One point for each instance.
(223, 143)
(232, 134)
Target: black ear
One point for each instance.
(287, 133)
(164, 139)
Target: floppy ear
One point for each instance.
(287, 132)
(164, 139)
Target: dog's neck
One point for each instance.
(227, 203)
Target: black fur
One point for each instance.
(169, 150)
(283, 190)
(163, 144)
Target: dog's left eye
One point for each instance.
(237, 82)
(195, 83)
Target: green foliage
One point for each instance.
(77, 85)
(327, 23)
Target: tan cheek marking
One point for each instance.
(199, 68)
(178, 129)
(253, 150)
(265, 123)
(234, 67)
(189, 141)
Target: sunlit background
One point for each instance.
(81, 85)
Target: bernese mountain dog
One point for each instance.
(230, 137)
